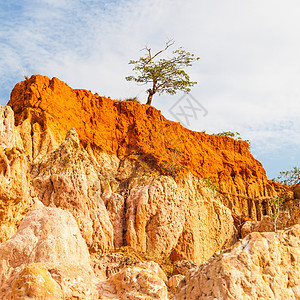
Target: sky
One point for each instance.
(248, 75)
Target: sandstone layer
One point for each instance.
(47, 109)
(15, 198)
(66, 178)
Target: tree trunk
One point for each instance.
(149, 98)
(151, 92)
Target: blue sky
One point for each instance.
(248, 75)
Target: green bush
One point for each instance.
(236, 135)
(132, 99)
(211, 183)
(289, 177)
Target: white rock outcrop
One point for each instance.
(47, 255)
(7, 127)
(261, 266)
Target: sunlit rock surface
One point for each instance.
(84, 177)
(261, 266)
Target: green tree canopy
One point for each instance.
(165, 75)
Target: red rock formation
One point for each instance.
(128, 128)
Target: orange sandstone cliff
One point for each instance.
(128, 128)
(140, 131)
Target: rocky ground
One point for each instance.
(94, 204)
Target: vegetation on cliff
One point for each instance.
(289, 177)
(165, 75)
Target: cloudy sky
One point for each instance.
(248, 75)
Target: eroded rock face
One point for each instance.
(129, 177)
(155, 217)
(181, 267)
(174, 281)
(35, 138)
(149, 214)
(49, 108)
(185, 220)
(7, 127)
(15, 200)
(287, 216)
(209, 224)
(67, 179)
(264, 225)
(115, 206)
(297, 191)
(145, 281)
(35, 282)
(46, 255)
(261, 266)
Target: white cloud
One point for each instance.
(248, 75)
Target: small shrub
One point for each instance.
(132, 99)
(277, 207)
(236, 135)
(168, 267)
(211, 183)
(289, 177)
(173, 164)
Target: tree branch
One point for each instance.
(169, 43)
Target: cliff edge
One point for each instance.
(125, 128)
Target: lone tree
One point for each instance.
(165, 75)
